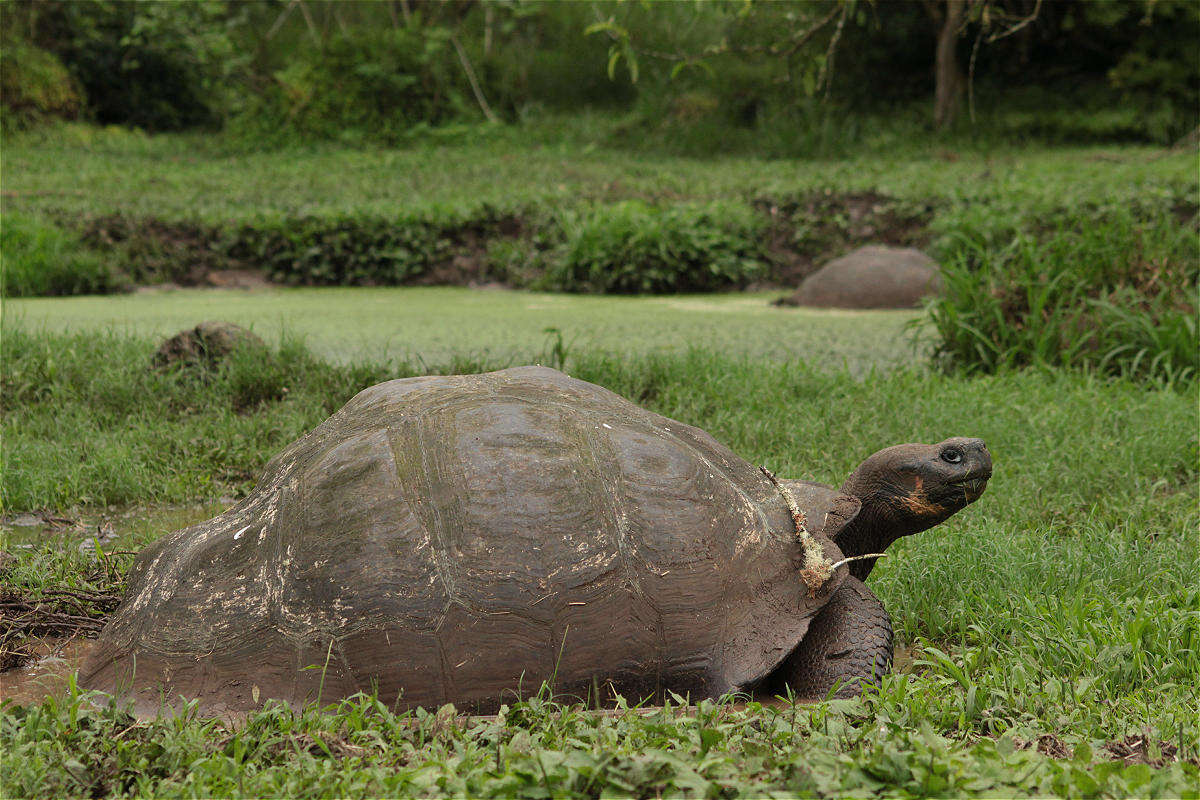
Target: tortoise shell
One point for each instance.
(463, 539)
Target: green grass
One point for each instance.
(84, 171)
(38, 258)
(539, 749)
(1079, 257)
(1062, 604)
(433, 324)
(1073, 257)
(1058, 612)
(1112, 293)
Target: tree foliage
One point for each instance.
(154, 65)
(356, 70)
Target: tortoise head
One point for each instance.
(909, 488)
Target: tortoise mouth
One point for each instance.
(971, 487)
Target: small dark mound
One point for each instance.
(205, 345)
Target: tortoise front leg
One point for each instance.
(850, 640)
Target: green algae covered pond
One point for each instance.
(434, 324)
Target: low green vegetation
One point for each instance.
(1049, 629)
(358, 165)
(86, 172)
(635, 248)
(88, 421)
(538, 749)
(1116, 294)
(38, 258)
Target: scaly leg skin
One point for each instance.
(850, 641)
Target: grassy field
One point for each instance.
(1050, 632)
(1052, 627)
(192, 179)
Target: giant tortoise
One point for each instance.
(464, 539)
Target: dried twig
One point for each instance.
(862, 557)
(1018, 25)
(824, 76)
(58, 610)
(283, 15)
(308, 20)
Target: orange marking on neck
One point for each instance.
(918, 505)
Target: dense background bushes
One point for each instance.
(159, 66)
(370, 250)
(35, 86)
(688, 78)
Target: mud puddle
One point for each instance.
(44, 637)
(47, 673)
(903, 657)
(84, 529)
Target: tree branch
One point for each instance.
(467, 68)
(312, 26)
(831, 51)
(283, 15)
(1018, 25)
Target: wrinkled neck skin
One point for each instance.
(884, 518)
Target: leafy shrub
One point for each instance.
(158, 66)
(35, 85)
(151, 250)
(522, 261)
(632, 247)
(42, 259)
(344, 251)
(1109, 293)
(373, 86)
(365, 251)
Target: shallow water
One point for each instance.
(111, 529)
(48, 673)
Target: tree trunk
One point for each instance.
(947, 74)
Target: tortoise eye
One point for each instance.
(952, 455)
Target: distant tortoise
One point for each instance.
(463, 539)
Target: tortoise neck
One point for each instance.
(882, 520)
(872, 531)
